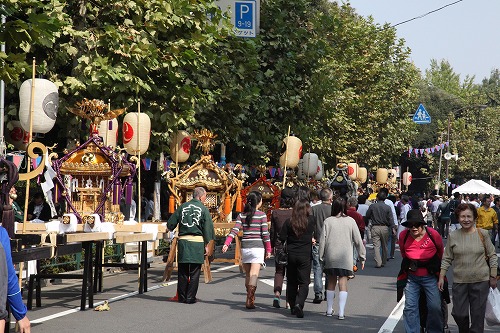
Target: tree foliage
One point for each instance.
(343, 84)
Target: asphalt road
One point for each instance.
(221, 308)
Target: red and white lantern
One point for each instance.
(136, 132)
(16, 135)
(108, 131)
(352, 170)
(45, 103)
(319, 174)
(180, 146)
(293, 152)
(310, 164)
(407, 178)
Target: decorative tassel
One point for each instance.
(238, 203)
(128, 194)
(227, 204)
(117, 190)
(171, 204)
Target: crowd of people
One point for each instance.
(327, 234)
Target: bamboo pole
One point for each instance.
(138, 150)
(286, 158)
(30, 139)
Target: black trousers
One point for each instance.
(188, 280)
(298, 274)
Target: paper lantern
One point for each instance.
(319, 174)
(108, 131)
(310, 164)
(46, 103)
(300, 171)
(382, 175)
(180, 146)
(362, 175)
(133, 123)
(352, 170)
(407, 178)
(292, 152)
(392, 175)
(17, 135)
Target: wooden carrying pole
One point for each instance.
(286, 158)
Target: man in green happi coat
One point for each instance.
(196, 235)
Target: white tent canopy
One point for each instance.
(476, 186)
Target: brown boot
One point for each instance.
(250, 303)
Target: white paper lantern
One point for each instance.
(46, 103)
(133, 123)
(300, 171)
(17, 135)
(382, 175)
(362, 175)
(407, 178)
(352, 170)
(108, 131)
(310, 164)
(392, 175)
(293, 152)
(180, 146)
(320, 173)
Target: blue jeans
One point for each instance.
(411, 312)
(317, 271)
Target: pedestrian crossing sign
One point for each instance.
(421, 116)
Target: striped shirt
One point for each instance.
(254, 236)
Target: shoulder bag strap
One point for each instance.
(481, 237)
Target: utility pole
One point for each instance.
(447, 150)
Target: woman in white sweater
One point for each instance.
(340, 232)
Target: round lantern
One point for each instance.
(362, 175)
(310, 164)
(180, 146)
(300, 171)
(407, 178)
(46, 102)
(108, 131)
(293, 152)
(392, 175)
(352, 170)
(319, 174)
(382, 175)
(133, 123)
(16, 135)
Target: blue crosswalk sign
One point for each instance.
(421, 116)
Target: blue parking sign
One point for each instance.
(244, 18)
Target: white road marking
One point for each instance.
(393, 318)
(114, 299)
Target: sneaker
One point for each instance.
(329, 314)
(341, 317)
(317, 299)
(276, 302)
(298, 311)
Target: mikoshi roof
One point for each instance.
(476, 186)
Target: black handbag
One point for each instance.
(281, 256)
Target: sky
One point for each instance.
(465, 34)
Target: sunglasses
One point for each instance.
(411, 226)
